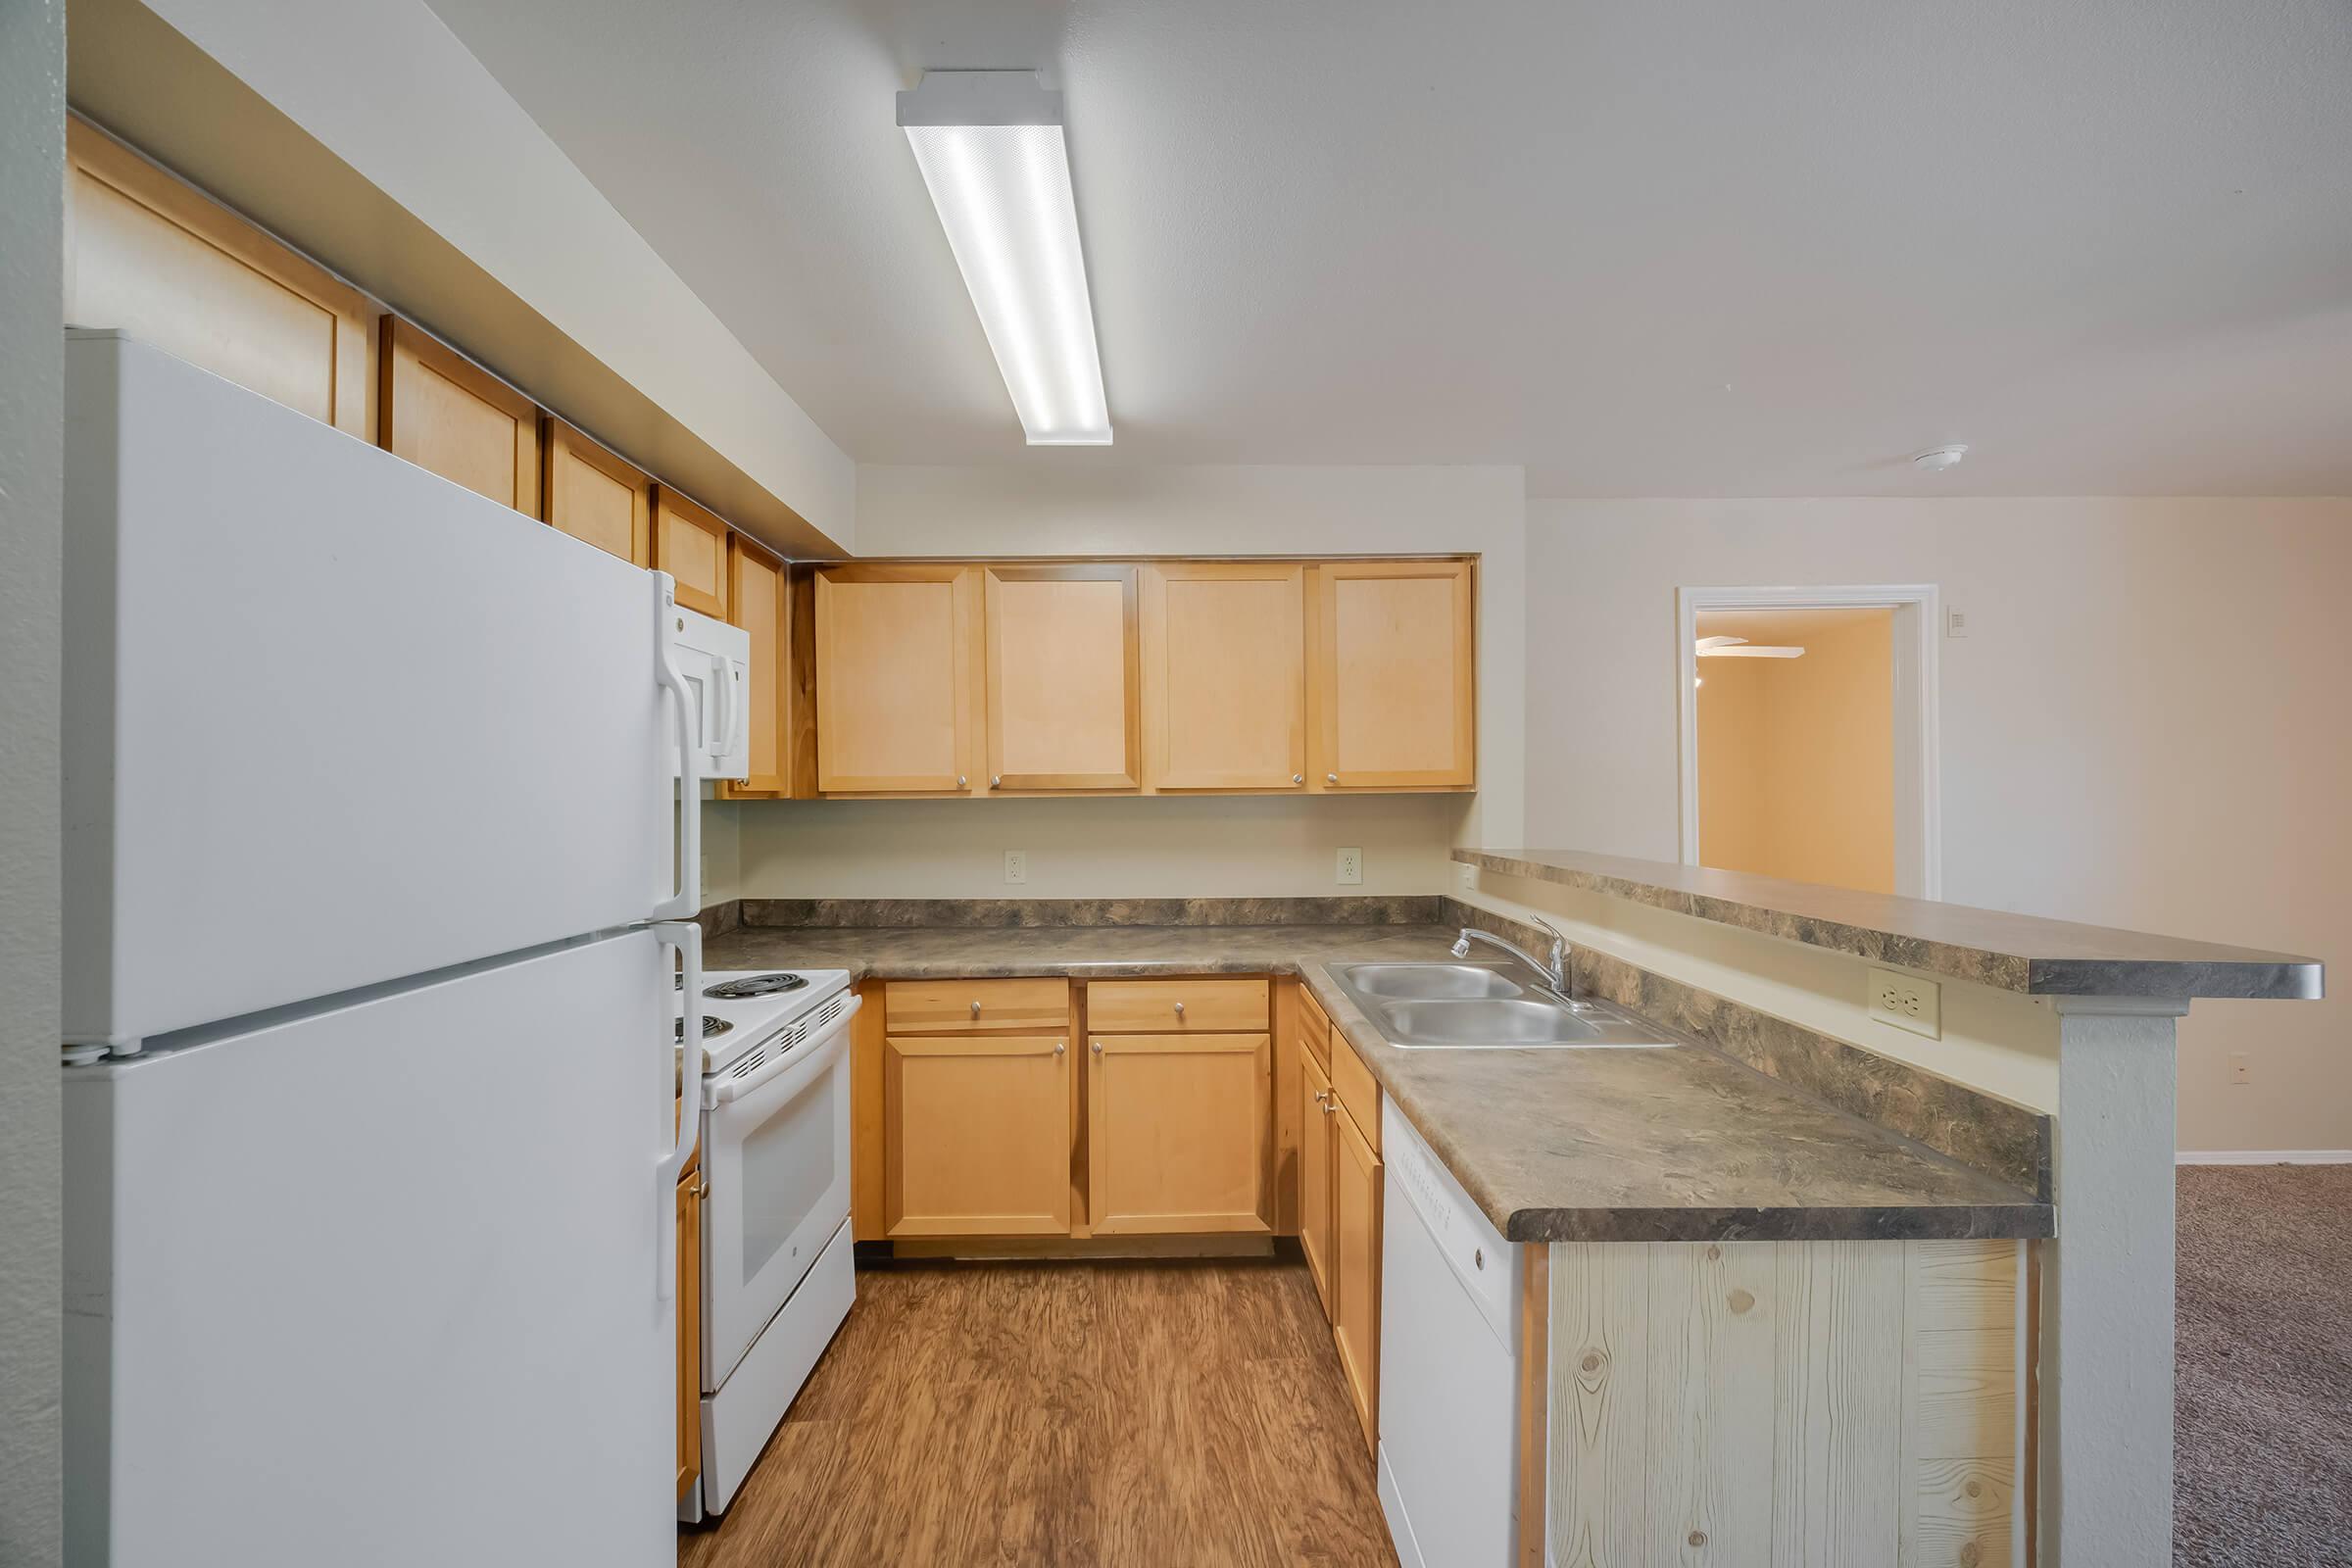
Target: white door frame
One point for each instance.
(1918, 723)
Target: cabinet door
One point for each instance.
(595, 497)
(1224, 657)
(897, 674)
(761, 601)
(442, 412)
(1394, 675)
(691, 545)
(690, 1330)
(977, 1135)
(1062, 679)
(150, 256)
(1356, 1268)
(1315, 1174)
(1179, 1133)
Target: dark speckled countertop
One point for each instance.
(1686, 1144)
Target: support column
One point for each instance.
(2106, 1366)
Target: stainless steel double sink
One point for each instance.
(1472, 1007)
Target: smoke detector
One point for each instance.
(1938, 459)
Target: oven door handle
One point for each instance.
(722, 1091)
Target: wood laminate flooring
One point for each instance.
(1109, 1414)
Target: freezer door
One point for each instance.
(330, 719)
(378, 1286)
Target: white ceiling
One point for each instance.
(1686, 249)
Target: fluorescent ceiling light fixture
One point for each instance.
(1739, 648)
(990, 146)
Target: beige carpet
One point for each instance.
(2262, 1450)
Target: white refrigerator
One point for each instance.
(375, 883)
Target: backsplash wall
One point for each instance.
(1120, 846)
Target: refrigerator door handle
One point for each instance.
(687, 937)
(686, 902)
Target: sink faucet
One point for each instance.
(1554, 971)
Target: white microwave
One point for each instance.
(716, 661)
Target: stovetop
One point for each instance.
(751, 1006)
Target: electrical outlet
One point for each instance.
(1017, 866)
(1907, 1002)
(2241, 1070)
(1351, 867)
(1955, 623)
(1465, 877)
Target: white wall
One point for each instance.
(1080, 503)
(2148, 725)
(33, 131)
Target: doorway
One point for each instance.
(1809, 735)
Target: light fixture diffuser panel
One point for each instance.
(1004, 195)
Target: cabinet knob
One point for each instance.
(1331, 779)
(959, 781)
(996, 782)
(1060, 1046)
(1329, 1104)
(1298, 778)
(1180, 1010)
(1098, 1048)
(975, 1009)
(1322, 1097)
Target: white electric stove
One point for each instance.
(776, 1249)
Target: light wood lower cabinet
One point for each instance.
(689, 1329)
(1356, 1209)
(977, 1131)
(1179, 1131)
(1316, 1151)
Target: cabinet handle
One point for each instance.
(1180, 1010)
(1060, 1046)
(1098, 1048)
(1322, 1097)
(1331, 779)
(975, 1009)
(1298, 778)
(996, 782)
(1329, 1104)
(959, 781)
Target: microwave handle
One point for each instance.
(686, 936)
(686, 901)
(726, 682)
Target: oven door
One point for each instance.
(778, 1160)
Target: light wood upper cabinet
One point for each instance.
(1356, 1268)
(442, 412)
(153, 257)
(1179, 1133)
(1393, 675)
(977, 1135)
(1224, 676)
(596, 497)
(759, 595)
(1316, 1151)
(1062, 679)
(898, 661)
(691, 545)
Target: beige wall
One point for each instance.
(1796, 756)
(2147, 726)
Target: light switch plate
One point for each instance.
(1907, 1002)
(1351, 868)
(1017, 866)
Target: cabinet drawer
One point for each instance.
(1358, 1093)
(958, 1006)
(1314, 1029)
(1174, 1006)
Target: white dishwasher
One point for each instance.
(1448, 1364)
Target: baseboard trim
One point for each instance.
(2264, 1157)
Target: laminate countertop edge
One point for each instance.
(2010, 952)
(1452, 1097)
